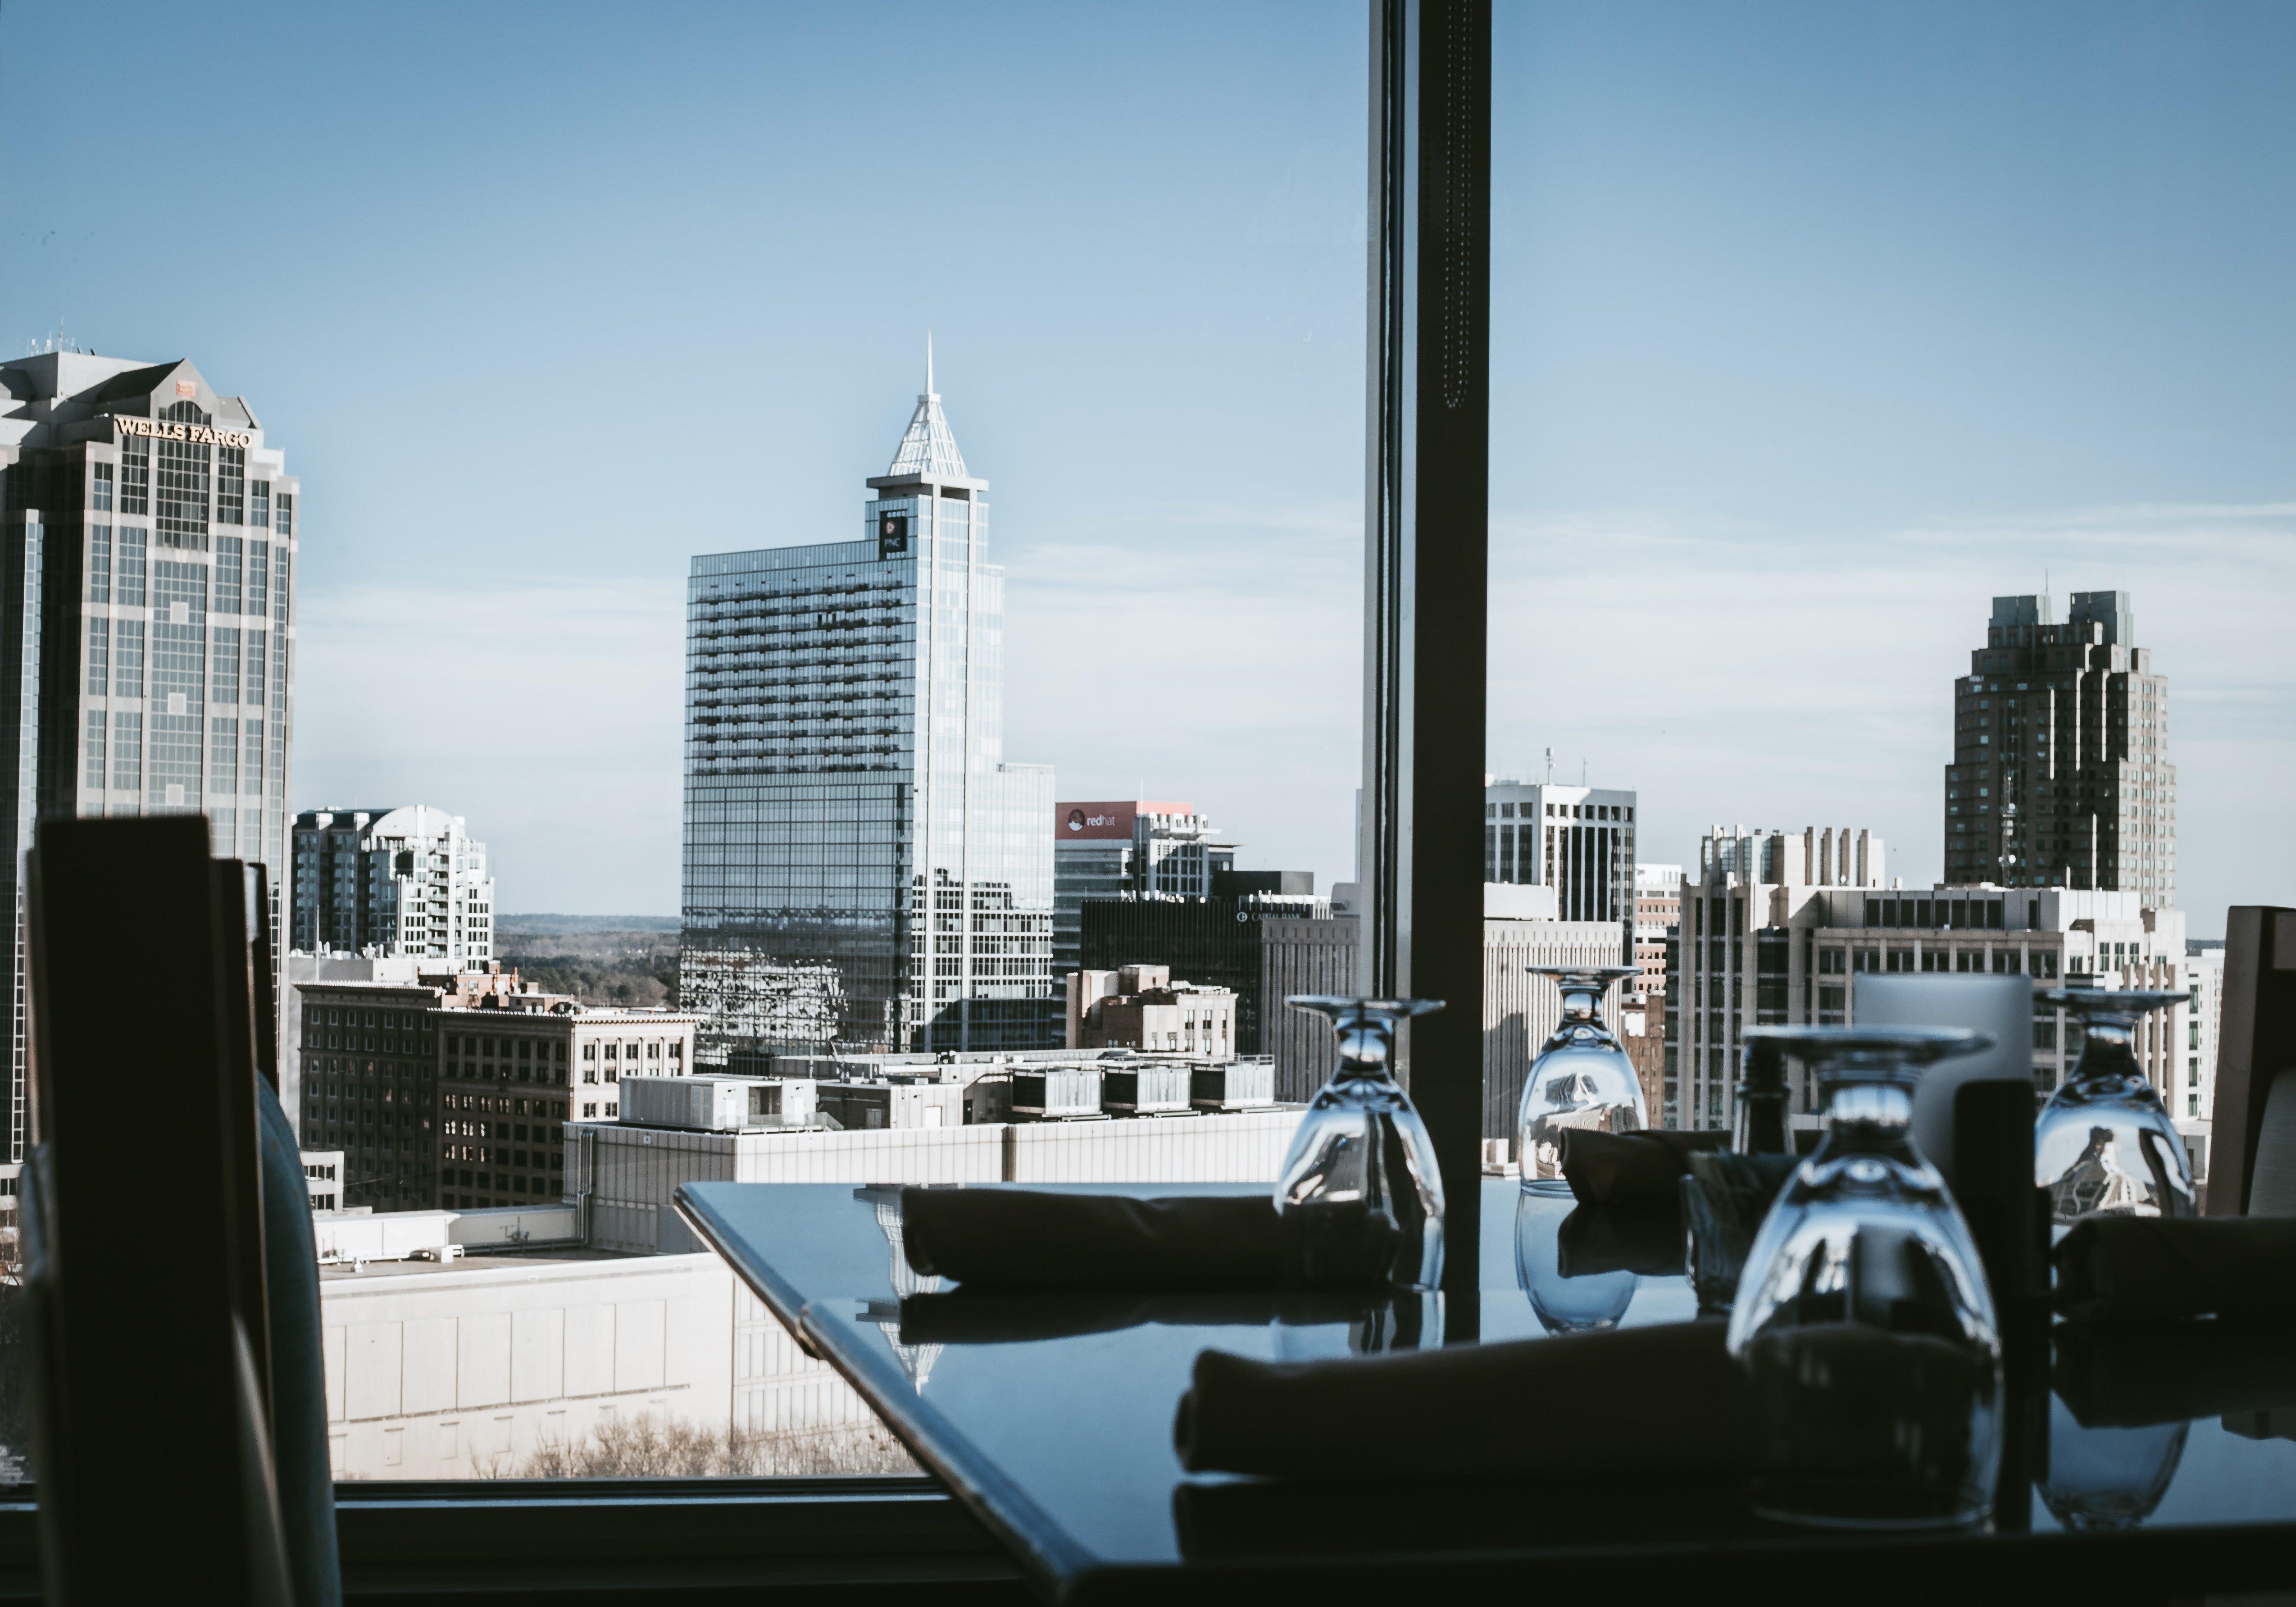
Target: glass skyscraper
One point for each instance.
(862, 867)
(147, 614)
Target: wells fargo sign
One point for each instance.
(174, 430)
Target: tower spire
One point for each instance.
(928, 383)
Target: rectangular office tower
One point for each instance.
(2061, 774)
(1579, 840)
(862, 866)
(147, 609)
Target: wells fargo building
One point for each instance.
(146, 612)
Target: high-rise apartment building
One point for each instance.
(390, 884)
(1579, 840)
(862, 866)
(147, 542)
(1112, 850)
(2061, 774)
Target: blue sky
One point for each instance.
(1817, 326)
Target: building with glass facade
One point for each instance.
(862, 866)
(147, 624)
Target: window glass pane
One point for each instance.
(823, 757)
(1848, 490)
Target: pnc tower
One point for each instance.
(2061, 774)
(146, 614)
(862, 866)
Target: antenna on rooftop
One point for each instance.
(928, 373)
(1550, 767)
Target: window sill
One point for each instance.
(612, 1540)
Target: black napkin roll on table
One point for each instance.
(2111, 1374)
(1022, 1239)
(1620, 1401)
(1642, 1167)
(2147, 1268)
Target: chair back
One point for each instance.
(149, 1326)
(2252, 1147)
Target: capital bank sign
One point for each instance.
(176, 430)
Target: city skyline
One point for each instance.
(1753, 474)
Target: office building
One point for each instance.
(862, 866)
(1217, 941)
(1770, 946)
(2195, 1097)
(451, 1089)
(322, 1179)
(1579, 840)
(2061, 774)
(1737, 965)
(1642, 1013)
(147, 541)
(1105, 850)
(389, 884)
(1321, 953)
(1142, 1007)
(370, 1087)
(514, 1068)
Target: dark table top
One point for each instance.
(1051, 1418)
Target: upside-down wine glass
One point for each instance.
(1863, 1317)
(1582, 1078)
(1359, 1198)
(2103, 1145)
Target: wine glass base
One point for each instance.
(1553, 1187)
(1835, 1502)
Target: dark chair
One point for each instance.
(179, 1433)
(2252, 1149)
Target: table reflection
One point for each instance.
(1567, 1299)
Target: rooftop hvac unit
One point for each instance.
(1238, 1086)
(1144, 1090)
(715, 1104)
(1056, 1094)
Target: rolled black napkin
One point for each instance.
(1627, 1169)
(1645, 1239)
(2130, 1376)
(1632, 1398)
(1020, 1239)
(2136, 1268)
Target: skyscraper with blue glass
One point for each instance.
(862, 866)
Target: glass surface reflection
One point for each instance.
(2108, 1478)
(1564, 1303)
(1360, 1196)
(1581, 1079)
(1863, 1316)
(2103, 1145)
